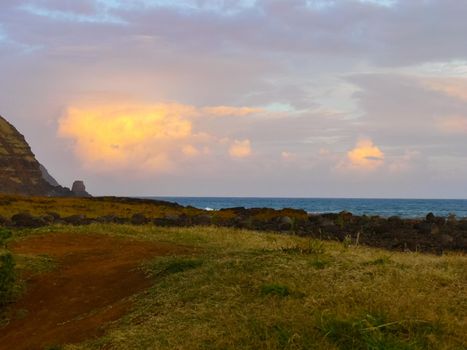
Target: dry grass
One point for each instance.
(250, 290)
(91, 207)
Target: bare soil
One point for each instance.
(90, 288)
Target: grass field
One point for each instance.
(91, 207)
(250, 290)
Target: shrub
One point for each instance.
(7, 278)
(319, 264)
(275, 289)
(4, 236)
(173, 266)
(347, 242)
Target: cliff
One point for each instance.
(20, 172)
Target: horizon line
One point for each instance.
(282, 197)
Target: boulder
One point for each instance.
(139, 219)
(77, 220)
(27, 220)
(430, 217)
(108, 219)
(427, 228)
(202, 219)
(285, 223)
(4, 221)
(446, 240)
(173, 220)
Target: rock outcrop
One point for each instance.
(79, 189)
(20, 172)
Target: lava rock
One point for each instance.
(27, 220)
(139, 219)
(77, 220)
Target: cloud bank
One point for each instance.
(149, 138)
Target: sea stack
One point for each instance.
(79, 189)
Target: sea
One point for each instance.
(404, 208)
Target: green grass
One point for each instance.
(7, 278)
(249, 290)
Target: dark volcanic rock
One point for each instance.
(139, 219)
(79, 189)
(77, 220)
(285, 223)
(4, 221)
(202, 219)
(173, 220)
(20, 172)
(27, 220)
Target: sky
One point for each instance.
(296, 98)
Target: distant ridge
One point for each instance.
(20, 172)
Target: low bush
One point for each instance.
(7, 278)
(4, 236)
(275, 289)
(173, 265)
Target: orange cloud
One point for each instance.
(224, 111)
(151, 138)
(365, 155)
(113, 137)
(190, 150)
(240, 149)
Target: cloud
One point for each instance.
(396, 34)
(404, 163)
(240, 149)
(154, 138)
(138, 137)
(288, 156)
(71, 16)
(301, 60)
(365, 156)
(454, 87)
(223, 111)
(453, 124)
(190, 150)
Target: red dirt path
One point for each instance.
(90, 288)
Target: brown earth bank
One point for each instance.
(91, 286)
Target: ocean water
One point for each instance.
(407, 208)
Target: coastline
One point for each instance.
(406, 208)
(432, 233)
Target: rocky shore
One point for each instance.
(430, 234)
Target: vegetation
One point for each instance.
(7, 270)
(91, 207)
(430, 234)
(7, 278)
(248, 290)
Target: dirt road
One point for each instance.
(90, 288)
